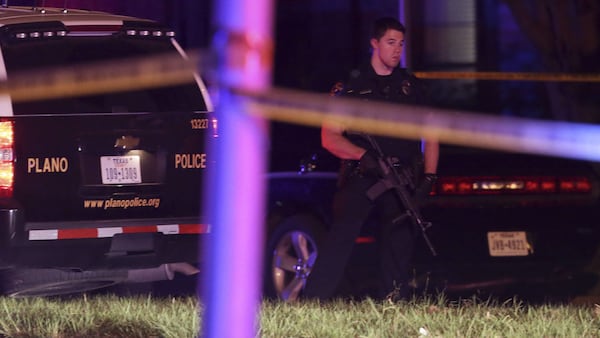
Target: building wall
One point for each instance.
(516, 54)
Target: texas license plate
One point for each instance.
(508, 243)
(120, 169)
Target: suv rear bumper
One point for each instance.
(126, 251)
(121, 250)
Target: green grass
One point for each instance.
(102, 316)
(111, 316)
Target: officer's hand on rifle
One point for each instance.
(369, 164)
(425, 187)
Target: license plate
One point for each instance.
(120, 169)
(509, 243)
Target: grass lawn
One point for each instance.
(146, 316)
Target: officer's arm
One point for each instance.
(333, 139)
(431, 153)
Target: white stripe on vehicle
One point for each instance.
(169, 229)
(37, 235)
(109, 232)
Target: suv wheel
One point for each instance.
(291, 253)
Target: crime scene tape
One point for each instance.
(561, 139)
(101, 77)
(169, 69)
(510, 76)
(475, 130)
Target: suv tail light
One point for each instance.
(512, 185)
(6, 158)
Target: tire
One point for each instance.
(292, 250)
(54, 282)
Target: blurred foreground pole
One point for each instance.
(235, 193)
(402, 10)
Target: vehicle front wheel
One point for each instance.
(292, 250)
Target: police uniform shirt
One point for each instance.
(398, 87)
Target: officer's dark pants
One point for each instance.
(351, 208)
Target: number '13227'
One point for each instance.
(199, 123)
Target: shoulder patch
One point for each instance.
(337, 89)
(406, 88)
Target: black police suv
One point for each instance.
(100, 187)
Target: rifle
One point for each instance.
(399, 179)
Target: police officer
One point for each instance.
(383, 80)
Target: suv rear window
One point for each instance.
(72, 50)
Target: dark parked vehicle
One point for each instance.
(96, 189)
(515, 222)
(504, 224)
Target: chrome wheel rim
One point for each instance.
(293, 259)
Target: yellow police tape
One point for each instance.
(510, 76)
(468, 129)
(169, 69)
(101, 77)
(572, 140)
